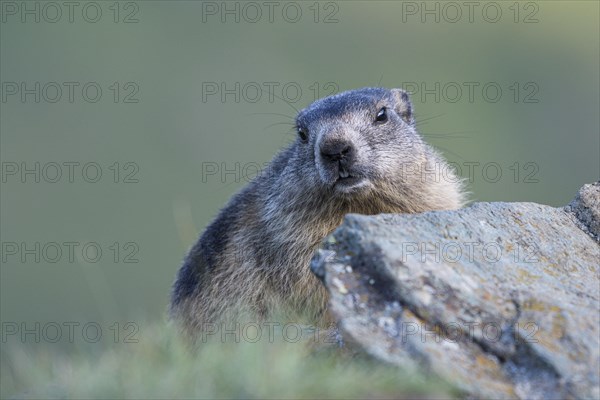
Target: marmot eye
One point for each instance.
(303, 134)
(381, 115)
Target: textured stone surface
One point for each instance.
(502, 299)
(586, 208)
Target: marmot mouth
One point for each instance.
(346, 181)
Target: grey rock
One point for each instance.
(501, 299)
(586, 208)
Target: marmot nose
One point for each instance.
(337, 150)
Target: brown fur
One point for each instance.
(253, 261)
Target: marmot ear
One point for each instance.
(403, 106)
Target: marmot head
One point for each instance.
(356, 141)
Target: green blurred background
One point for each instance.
(172, 132)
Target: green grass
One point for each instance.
(160, 365)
